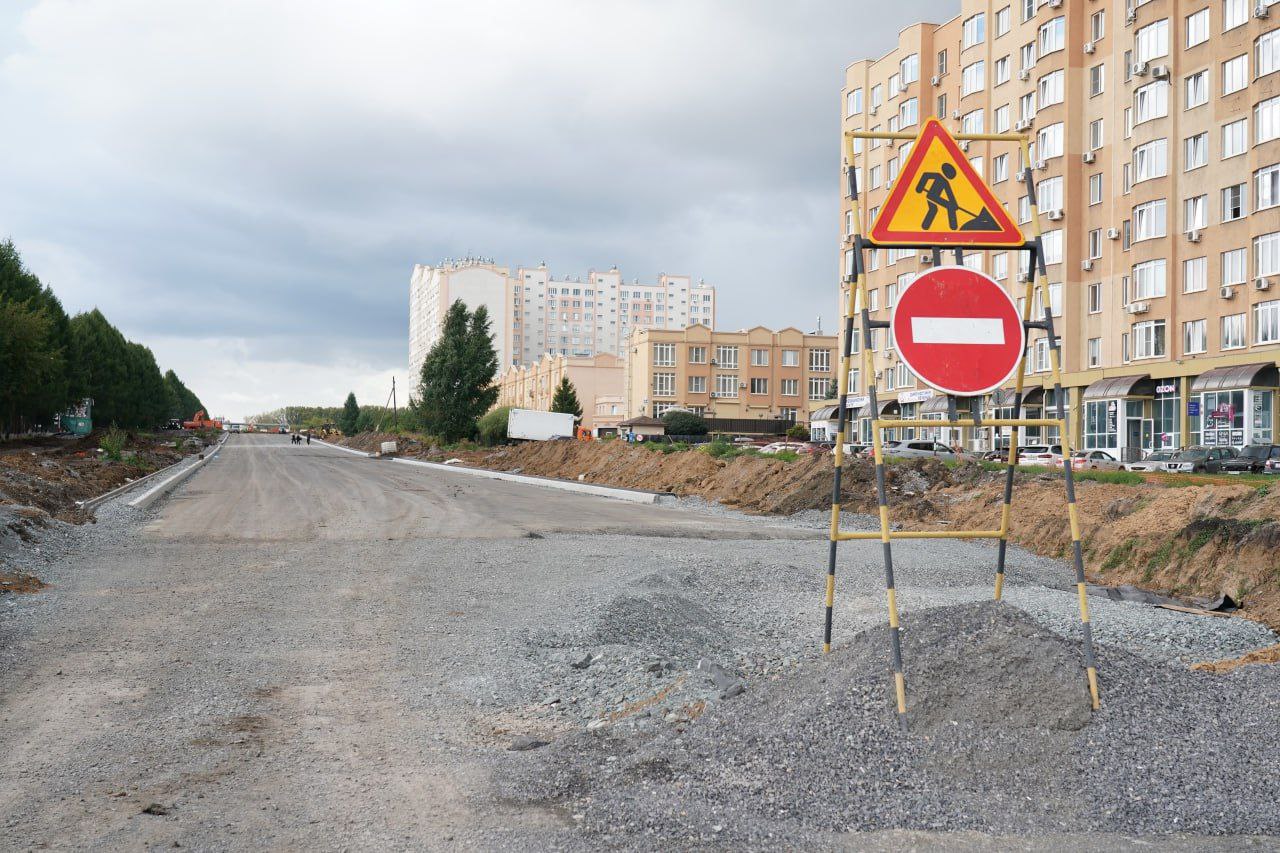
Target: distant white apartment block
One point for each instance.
(534, 313)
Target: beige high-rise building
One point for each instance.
(597, 380)
(534, 313)
(1156, 157)
(754, 373)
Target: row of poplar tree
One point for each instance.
(50, 362)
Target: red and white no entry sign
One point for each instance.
(958, 330)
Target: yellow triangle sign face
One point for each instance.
(938, 199)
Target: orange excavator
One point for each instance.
(201, 421)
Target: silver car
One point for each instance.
(912, 449)
(1153, 461)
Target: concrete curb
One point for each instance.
(94, 503)
(150, 496)
(617, 493)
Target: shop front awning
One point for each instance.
(935, 404)
(1002, 398)
(885, 406)
(1263, 374)
(1121, 386)
(826, 413)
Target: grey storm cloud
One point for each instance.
(251, 182)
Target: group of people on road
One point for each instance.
(294, 438)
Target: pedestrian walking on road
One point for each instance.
(308, 438)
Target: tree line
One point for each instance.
(50, 361)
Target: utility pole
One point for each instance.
(395, 410)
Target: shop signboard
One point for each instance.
(1193, 408)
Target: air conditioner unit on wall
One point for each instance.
(1089, 47)
(1021, 124)
(1054, 4)
(1194, 235)
(1261, 11)
(1089, 156)
(1130, 17)
(1262, 283)
(1024, 74)
(1227, 291)
(935, 80)
(1160, 72)
(1138, 307)
(1055, 215)
(1140, 69)
(1041, 165)
(1087, 264)
(1113, 233)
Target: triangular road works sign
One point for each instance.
(938, 199)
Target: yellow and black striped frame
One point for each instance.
(855, 305)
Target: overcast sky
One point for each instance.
(245, 185)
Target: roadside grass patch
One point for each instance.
(112, 443)
(1122, 478)
(1119, 555)
(1158, 560)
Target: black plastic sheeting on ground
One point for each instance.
(1218, 604)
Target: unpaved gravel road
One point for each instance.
(304, 649)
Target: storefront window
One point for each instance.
(909, 414)
(1101, 427)
(1165, 412)
(1223, 415)
(1261, 405)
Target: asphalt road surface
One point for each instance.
(288, 653)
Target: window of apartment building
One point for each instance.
(664, 384)
(1266, 53)
(1000, 167)
(973, 78)
(890, 171)
(1049, 193)
(1234, 13)
(1266, 120)
(1049, 88)
(1196, 90)
(941, 109)
(1234, 262)
(1040, 356)
(1095, 189)
(1003, 21)
(697, 355)
(1235, 138)
(791, 358)
(1128, 122)
(1097, 25)
(664, 355)
(1233, 331)
(974, 30)
(1266, 322)
(1266, 254)
(1235, 74)
(1095, 352)
(697, 384)
(1151, 160)
(941, 65)
(1024, 210)
(1095, 134)
(727, 356)
(1000, 266)
(1150, 220)
(1124, 356)
(1052, 36)
(1126, 66)
(1195, 151)
(895, 83)
(971, 122)
(1149, 279)
(759, 357)
(1052, 242)
(873, 301)
(818, 386)
(1195, 275)
(909, 69)
(873, 178)
(1095, 298)
(820, 360)
(1001, 119)
(1148, 339)
(1151, 101)
(1055, 299)
(1194, 337)
(759, 386)
(1125, 234)
(1027, 56)
(726, 385)
(973, 261)
(1197, 27)
(1027, 106)
(1027, 9)
(790, 387)
(1049, 141)
(1094, 241)
(853, 103)
(890, 379)
(1097, 79)
(1152, 41)
(908, 112)
(1234, 205)
(1195, 212)
(877, 96)
(1001, 71)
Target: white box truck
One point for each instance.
(532, 425)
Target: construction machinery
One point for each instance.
(201, 421)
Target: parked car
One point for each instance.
(1095, 460)
(857, 449)
(1200, 460)
(1253, 459)
(911, 449)
(1153, 461)
(779, 446)
(744, 439)
(1040, 454)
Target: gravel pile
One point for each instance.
(1001, 741)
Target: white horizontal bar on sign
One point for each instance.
(958, 330)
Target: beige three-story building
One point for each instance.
(1155, 131)
(753, 373)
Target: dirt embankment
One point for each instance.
(1189, 540)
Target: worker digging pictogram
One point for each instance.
(960, 332)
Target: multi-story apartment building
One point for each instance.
(752, 373)
(597, 380)
(535, 313)
(1155, 151)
